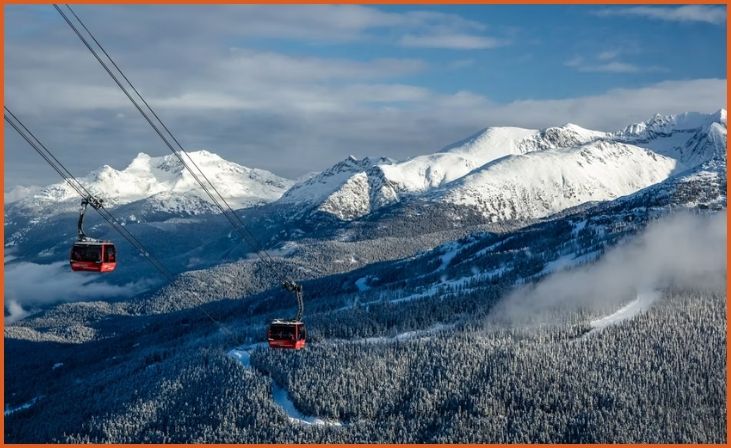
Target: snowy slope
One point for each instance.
(165, 180)
(425, 172)
(539, 184)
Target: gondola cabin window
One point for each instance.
(93, 256)
(287, 334)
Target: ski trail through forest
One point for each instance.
(642, 303)
(280, 395)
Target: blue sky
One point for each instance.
(535, 46)
(265, 85)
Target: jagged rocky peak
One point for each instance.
(666, 124)
(566, 136)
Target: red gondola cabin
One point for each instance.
(93, 256)
(286, 334)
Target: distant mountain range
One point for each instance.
(512, 173)
(504, 172)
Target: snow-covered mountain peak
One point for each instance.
(317, 188)
(684, 121)
(584, 133)
(720, 116)
(102, 172)
(667, 124)
(170, 162)
(490, 139)
(691, 137)
(141, 157)
(352, 162)
(478, 171)
(567, 136)
(147, 176)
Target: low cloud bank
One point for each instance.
(30, 284)
(683, 250)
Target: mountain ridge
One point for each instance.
(670, 144)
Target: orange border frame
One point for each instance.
(362, 2)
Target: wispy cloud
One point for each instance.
(608, 62)
(454, 41)
(601, 65)
(15, 312)
(459, 64)
(688, 13)
(608, 55)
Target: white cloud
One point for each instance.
(236, 79)
(259, 64)
(687, 13)
(616, 108)
(15, 312)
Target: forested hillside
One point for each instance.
(474, 384)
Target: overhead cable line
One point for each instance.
(173, 144)
(85, 194)
(77, 186)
